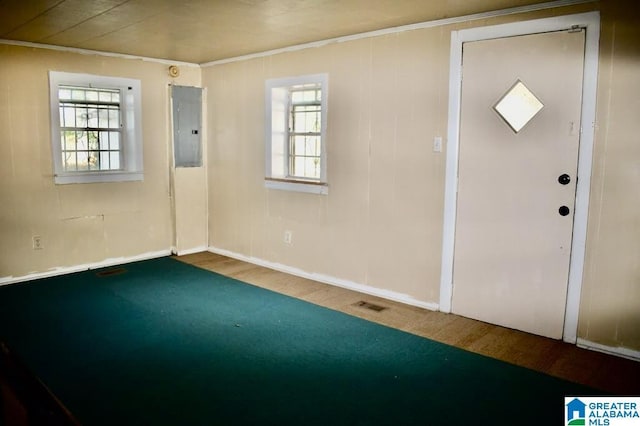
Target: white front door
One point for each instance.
(518, 156)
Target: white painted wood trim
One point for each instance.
(205, 156)
(193, 250)
(583, 187)
(297, 186)
(327, 279)
(590, 21)
(87, 266)
(172, 169)
(403, 28)
(96, 52)
(451, 177)
(619, 351)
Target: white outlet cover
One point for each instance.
(37, 243)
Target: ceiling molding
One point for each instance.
(95, 52)
(428, 24)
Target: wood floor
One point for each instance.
(604, 372)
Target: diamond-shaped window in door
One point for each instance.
(518, 106)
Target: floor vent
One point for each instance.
(367, 305)
(109, 272)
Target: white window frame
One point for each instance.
(131, 124)
(277, 135)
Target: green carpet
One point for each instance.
(166, 343)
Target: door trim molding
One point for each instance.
(591, 22)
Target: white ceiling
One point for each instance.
(200, 31)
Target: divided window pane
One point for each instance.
(305, 119)
(90, 127)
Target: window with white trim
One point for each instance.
(296, 124)
(96, 133)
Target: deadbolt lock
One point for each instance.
(564, 179)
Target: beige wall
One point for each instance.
(78, 223)
(610, 309)
(381, 223)
(190, 209)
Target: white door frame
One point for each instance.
(591, 22)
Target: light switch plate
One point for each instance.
(437, 144)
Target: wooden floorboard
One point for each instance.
(605, 372)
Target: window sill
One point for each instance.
(97, 177)
(297, 186)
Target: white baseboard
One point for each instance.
(190, 251)
(95, 265)
(327, 279)
(619, 351)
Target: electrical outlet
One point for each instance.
(37, 242)
(288, 237)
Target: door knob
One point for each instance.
(564, 210)
(564, 179)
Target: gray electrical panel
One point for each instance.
(187, 126)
